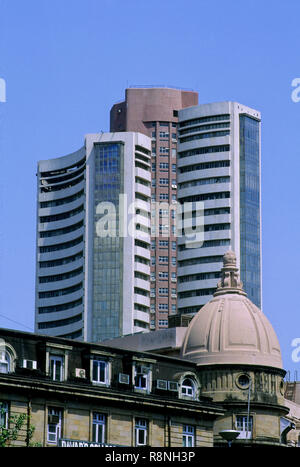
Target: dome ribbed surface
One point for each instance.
(230, 329)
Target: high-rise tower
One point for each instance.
(154, 112)
(93, 239)
(219, 164)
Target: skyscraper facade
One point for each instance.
(93, 239)
(219, 165)
(154, 112)
(109, 258)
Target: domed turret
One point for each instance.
(230, 329)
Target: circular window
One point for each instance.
(243, 381)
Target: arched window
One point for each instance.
(8, 357)
(5, 362)
(188, 388)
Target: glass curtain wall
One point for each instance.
(250, 207)
(108, 250)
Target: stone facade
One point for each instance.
(55, 383)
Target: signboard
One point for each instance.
(76, 443)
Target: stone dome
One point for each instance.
(230, 329)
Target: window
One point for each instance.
(163, 150)
(174, 168)
(164, 166)
(163, 275)
(163, 259)
(173, 260)
(212, 134)
(3, 414)
(243, 381)
(100, 371)
(163, 196)
(60, 322)
(163, 307)
(98, 428)
(163, 322)
(54, 429)
(188, 436)
(142, 377)
(5, 362)
(56, 367)
(205, 181)
(188, 388)
(244, 426)
(141, 432)
(163, 243)
(163, 290)
(164, 181)
(205, 150)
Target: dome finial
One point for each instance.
(230, 281)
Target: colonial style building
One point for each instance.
(73, 391)
(239, 365)
(222, 374)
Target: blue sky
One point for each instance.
(65, 63)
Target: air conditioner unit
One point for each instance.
(29, 364)
(172, 386)
(123, 378)
(80, 373)
(174, 279)
(173, 185)
(162, 384)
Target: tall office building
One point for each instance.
(93, 239)
(219, 165)
(154, 112)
